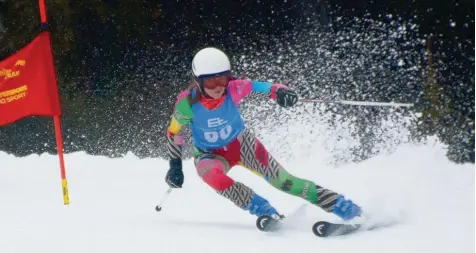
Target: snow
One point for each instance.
(113, 200)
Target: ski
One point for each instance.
(327, 229)
(273, 223)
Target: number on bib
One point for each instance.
(222, 134)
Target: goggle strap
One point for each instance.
(224, 73)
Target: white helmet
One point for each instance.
(210, 61)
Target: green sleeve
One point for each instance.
(183, 111)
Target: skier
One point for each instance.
(221, 140)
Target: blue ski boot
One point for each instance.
(259, 206)
(345, 209)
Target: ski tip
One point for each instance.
(266, 223)
(262, 222)
(320, 228)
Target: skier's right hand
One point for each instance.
(174, 177)
(286, 97)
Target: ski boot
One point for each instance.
(345, 209)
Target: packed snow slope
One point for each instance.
(112, 206)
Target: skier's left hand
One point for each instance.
(174, 177)
(286, 97)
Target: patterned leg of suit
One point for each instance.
(254, 156)
(212, 168)
(248, 151)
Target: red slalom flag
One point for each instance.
(28, 87)
(27, 83)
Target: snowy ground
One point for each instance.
(113, 200)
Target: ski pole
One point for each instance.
(348, 102)
(158, 208)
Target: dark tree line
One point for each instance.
(120, 64)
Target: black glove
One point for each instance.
(286, 97)
(174, 177)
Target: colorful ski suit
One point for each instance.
(221, 141)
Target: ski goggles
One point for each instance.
(216, 80)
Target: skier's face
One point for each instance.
(216, 93)
(215, 86)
